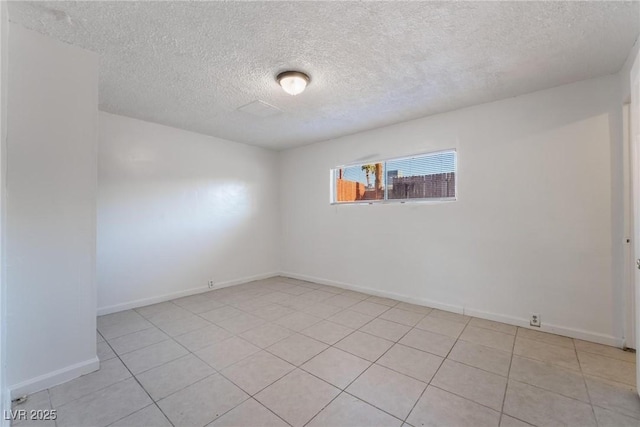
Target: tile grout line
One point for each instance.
(344, 390)
(436, 372)
(342, 309)
(506, 387)
(584, 380)
(142, 387)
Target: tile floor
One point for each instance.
(281, 352)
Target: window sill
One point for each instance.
(398, 202)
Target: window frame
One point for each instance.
(386, 200)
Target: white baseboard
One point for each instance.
(553, 329)
(179, 294)
(400, 297)
(54, 378)
(516, 321)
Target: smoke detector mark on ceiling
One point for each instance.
(260, 109)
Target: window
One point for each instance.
(421, 177)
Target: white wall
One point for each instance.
(177, 209)
(532, 229)
(5, 400)
(51, 193)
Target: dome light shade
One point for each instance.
(293, 82)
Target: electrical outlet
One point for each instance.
(535, 320)
(211, 284)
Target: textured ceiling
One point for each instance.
(193, 64)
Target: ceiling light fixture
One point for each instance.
(293, 82)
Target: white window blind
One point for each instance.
(421, 177)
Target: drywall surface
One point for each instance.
(177, 209)
(5, 400)
(531, 231)
(51, 197)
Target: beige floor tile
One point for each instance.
(409, 361)
(28, 422)
(119, 317)
(110, 372)
(561, 356)
(404, 317)
(450, 316)
(153, 309)
(241, 323)
(297, 349)
(608, 418)
(488, 338)
(30, 408)
(298, 321)
(440, 408)
(266, 335)
(336, 367)
(507, 421)
(249, 413)
(369, 308)
(104, 351)
(167, 316)
(183, 325)
(226, 353)
(388, 390)
(605, 350)
(319, 295)
(202, 402)
(549, 377)
(249, 305)
(347, 411)
(104, 406)
(479, 356)
(342, 301)
(327, 332)
(201, 338)
(354, 294)
(322, 310)
(428, 341)
(420, 309)
(122, 323)
(137, 340)
(192, 299)
(614, 396)
(99, 337)
(203, 306)
(332, 289)
(351, 319)
(384, 301)
(35, 401)
(541, 407)
(608, 368)
(385, 329)
(149, 416)
(297, 290)
(363, 345)
(471, 383)
(441, 326)
(300, 303)
(297, 397)
(272, 312)
(257, 371)
(173, 376)
(221, 314)
(494, 326)
(280, 298)
(546, 337)
(154, 355)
